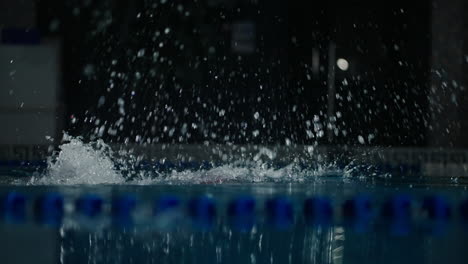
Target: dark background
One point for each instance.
(208, 91)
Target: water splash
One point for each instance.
(80, 163)
(236, 173)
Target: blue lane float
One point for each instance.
(13, 207)
(168, 212)
(318, 211)
(241, 213)
(437, 208)
(89, 205)
(438, 212)
(49, 209)
(280, 213)
(358, 212)
(166, 203)
(397, 214)
(397, 207)
(122, 209)
(202, 211)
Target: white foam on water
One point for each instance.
(91, 163)
(235, 173)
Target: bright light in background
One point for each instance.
(342, 64)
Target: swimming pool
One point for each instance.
(87, 205)
(351, 220)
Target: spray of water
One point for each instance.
(78, 162)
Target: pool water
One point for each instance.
(203, 227)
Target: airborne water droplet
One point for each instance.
(361, 139)
(256, 115)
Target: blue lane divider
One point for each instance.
(280, 213)
(438, 212)
(89, 205)
(397, 212)
(398, 207)
(437, 208)
(358, 212)
(13, 207)
(241, 212)
(122, 208)
(358, 208)
(202, 211)
(166, 203)
(318, 211)
(49, 209)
